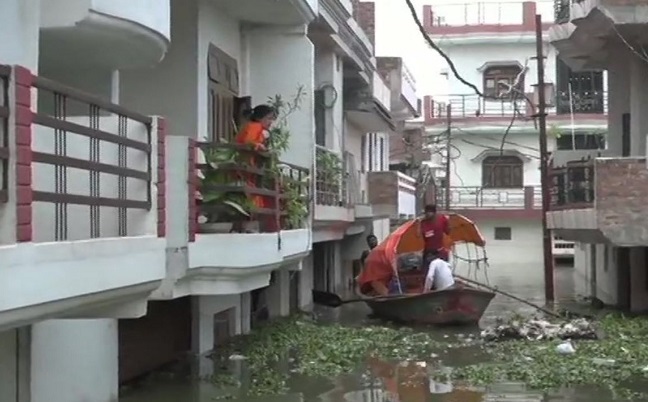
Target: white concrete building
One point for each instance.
(494, 152)
(106, 271)
(600, 201)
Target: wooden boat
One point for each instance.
(463, 305)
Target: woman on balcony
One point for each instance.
(255, 134)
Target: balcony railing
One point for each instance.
(572, 186)
(491, 198)
(331, 179)
(486, 13)
(245, 190)
(581, 102)
(472, 105)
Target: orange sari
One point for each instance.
(377, 268)
(252, 135)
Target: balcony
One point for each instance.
(600, 200)
(81, 207)
(253, 212)
(369, 108)
(587, 105)
(333, 201)
(475, 19)
(405, 104)
(494, 203)
(108, 34)
(392, 194)
(282, 12)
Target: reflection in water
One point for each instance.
(385, 381)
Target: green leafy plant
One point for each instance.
(329, 176)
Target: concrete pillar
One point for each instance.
(246, 305)
(306, 284)
(272, 52)
(15, 364)
(279, 294)
(19, 30)
(74, 361)
(618, 77)
(638, 105)
(204, 308)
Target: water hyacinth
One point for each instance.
(298, 346)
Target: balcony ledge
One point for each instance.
(98, 278)
(237, 263)
(102, 40)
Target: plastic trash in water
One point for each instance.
(566, 348)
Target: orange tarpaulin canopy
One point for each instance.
(409, 239)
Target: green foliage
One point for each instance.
(329, 167)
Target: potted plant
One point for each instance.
(219, 210)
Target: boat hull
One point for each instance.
(456, 306)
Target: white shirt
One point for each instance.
(440, 275)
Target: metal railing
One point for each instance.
(486, 13)
(562, 10)
(242, 186)
(594, 102)
(5, 75)
(485, 198)
(572, 186)
(472, 105)
(330, 178)
(90, 157)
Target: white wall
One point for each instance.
(272, 53)
(465, 172)
(606, 272)
(468, 58)
(74, 361)
(329, 71)
(170, 88)
(19, 30)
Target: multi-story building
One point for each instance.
(109, 162)
(598, 195)
(493, 139)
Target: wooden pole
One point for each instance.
(544, 164)
(448, 160)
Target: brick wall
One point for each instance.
(383, 188)
(365, 14)
(23, 79)
(161, 177)
(621, 194)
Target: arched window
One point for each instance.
(502, 172)
(496, 76)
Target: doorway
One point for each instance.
(623, 279)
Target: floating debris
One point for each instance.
(536, 330)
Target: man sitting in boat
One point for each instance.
(439, 275)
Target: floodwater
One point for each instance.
(411, 385)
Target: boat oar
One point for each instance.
(496, 290)
(332, 300)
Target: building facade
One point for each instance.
(491, 141)
(122, 240)
(596, 195)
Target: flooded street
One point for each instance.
(380, 380)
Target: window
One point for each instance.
(502, 172)
(381, 161)
(498, 78)
(222, 71)
(503, 233)
(320, 118)
(584, 141)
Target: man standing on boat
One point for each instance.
(433, 227)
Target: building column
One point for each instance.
(75, 361)
(618, 78)
(279, 294)
(306, 284)
(245, 310)
(203, 315)
(638, 105)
